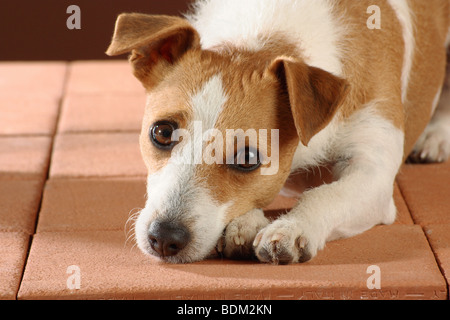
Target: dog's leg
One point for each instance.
(240, 233)
(371, 151)
(434, 143)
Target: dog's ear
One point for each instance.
(314, 94)
(154, 41)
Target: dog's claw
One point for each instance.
(275, 252)
(280, 245)
(239, 240)
(257, 240)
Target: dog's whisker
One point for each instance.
(130, 239)
(132, 216)
(130, 224)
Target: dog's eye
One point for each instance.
(161, 134)
(247, 159)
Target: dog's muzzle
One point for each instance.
(167, 238)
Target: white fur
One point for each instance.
(405, 17)
(248, 23)
(208, 102)
(172, 194)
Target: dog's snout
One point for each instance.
(167, 238)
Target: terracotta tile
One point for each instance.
(113, 76)
(13, 251)
(32, 78)
(426, 191)
(96, 113)
(90, 204)
(439, 237)
(97, 155)
(24, 157)
(28, 114)
(110, 269)
(20, 201)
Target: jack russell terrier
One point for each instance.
(332, 89)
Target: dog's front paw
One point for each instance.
(280, 243)
(237, 242)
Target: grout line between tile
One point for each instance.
(63, 96)
(27, 135)
(437, 262)
(27, 254)
(406, 202)
(55, 130)
(426, 237)
(58, 115)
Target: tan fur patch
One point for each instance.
(427, 76)
(372, 60)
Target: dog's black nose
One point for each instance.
(167, 237)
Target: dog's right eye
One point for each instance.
(161, 134)
(247, 160)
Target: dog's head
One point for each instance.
(220, 129)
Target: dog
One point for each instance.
(336, 91)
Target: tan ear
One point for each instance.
(152, 40)
(314, 94)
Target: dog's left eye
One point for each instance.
(247, 159)
(161, 134)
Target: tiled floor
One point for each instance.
(71, 175)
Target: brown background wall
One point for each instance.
(36, 29)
